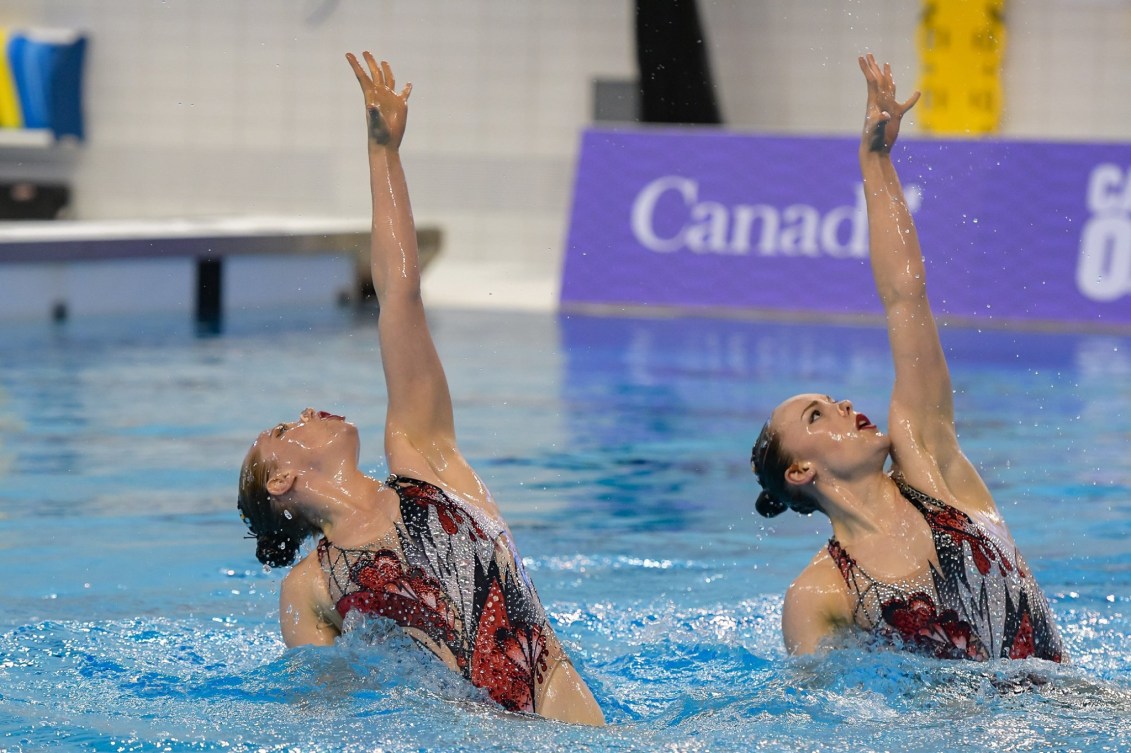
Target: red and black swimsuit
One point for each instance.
(979, 602)
(451, 577)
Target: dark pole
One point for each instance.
(209, 296)
(675, 73)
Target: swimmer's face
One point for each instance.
(816, 428)
(317, 440)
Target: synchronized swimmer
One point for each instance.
(920, 555)
(428, 547)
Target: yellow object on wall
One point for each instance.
(961, 47)
(10, 114)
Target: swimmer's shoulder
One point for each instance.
(816, 605)
(821, 580)
(953, 480)
(306, 581)
(306, 611)
(457, 480)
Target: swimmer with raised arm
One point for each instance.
(920, 555)
(427, 548)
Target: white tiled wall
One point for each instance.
(199, 107)
(791, 66)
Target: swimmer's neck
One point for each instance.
(342, 503)
(871, 506)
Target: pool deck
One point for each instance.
(205, 244)
(97, 240)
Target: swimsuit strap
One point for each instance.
(398, 481)
(925, 503)
(395, 480)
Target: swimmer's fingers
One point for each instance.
(884, 111)
(881, 82)
(370, 80)
(362, 76)
(391, 83)
(909, 103)
(889, 93)
(874, 114)
(867, 64)
(873, 77)
(870, 69)
(374, 72)
(382, 75)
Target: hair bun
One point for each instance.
(769, 506)
(276, 549)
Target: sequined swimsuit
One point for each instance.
(979, 602)
(450, 576)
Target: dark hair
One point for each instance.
(769, 462)
(278, 535)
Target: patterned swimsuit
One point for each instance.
(979, 602)
(450, 576)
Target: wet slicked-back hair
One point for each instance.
(278, 534)
(769, 462)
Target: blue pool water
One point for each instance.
(134, 616)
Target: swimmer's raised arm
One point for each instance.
(921, 420)
(419, 427)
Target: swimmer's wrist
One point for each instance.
(377, 129)
(868, 150)
(874, 140)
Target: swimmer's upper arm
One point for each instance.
(420, 435)
(922, 394)
(303, 615)
(814, 609)
(921, 420)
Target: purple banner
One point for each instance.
(1011, 230)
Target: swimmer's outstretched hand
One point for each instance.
(884, 111)
(387, 110)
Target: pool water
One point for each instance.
(135, 617)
